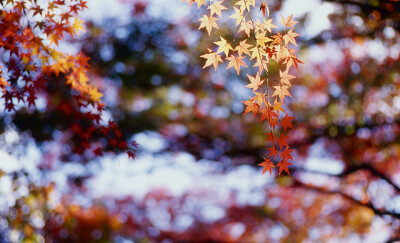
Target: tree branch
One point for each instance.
(300, 184)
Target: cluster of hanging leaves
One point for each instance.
(259, 45)
(30, 33)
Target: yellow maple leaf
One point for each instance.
(78, 25)
(208, 22)
(262, 39)
(238, 16)
(217, 8)
(223, 46)
(94, 94)
(212, 59)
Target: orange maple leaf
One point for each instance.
(251, 106)
(278, 106)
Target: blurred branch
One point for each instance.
(299, 184)
(353, 169)
(396, 239)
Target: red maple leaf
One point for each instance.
(272, 151)
(134, 144)
(283, 166)
(113, 142)
(268, 165)
(131, 154)
(270, 137)
(98, 152)
(286, 154)
(286, 122)
(282, 140)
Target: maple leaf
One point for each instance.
(245, 4)
(216, 8)
(270, 137)
(37, 10)
(272, 151)
(131, 154)
(134, 144)
(223, 46)
(255, 82)
(200, 2)
(238, 16)
(235, 62)
(277, 39)
(286, 122)
(256, 53)
(289, 23)
(98, 152)
(286, 154)
(77, 26)
(212, 59)
(267, 166)
(283, 166)
(94, 94)
(3, 83)
(278, 106)
(268, 25)
(285, 77)
(292, 59)
(259, 98)
(54, 39)
(243, 47)
(290, 37)
(247, 27)
(268, 114)
(208, 22)
(262, 65)
(282, 140)
(31, 100)
(262, 39)
(281, 91)
(251, 106)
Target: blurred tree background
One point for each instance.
(196, 176)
